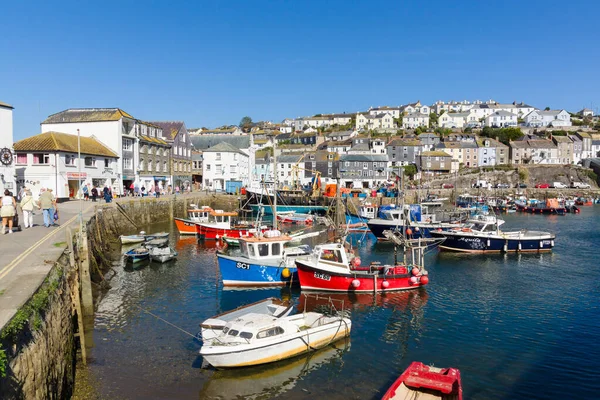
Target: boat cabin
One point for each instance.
(484, 224)
(368, 211)
(411, 213)
(201, 214)
(268, 246)
(221, 219)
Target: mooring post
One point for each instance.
(86, 280)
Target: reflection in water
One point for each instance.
(269, 380)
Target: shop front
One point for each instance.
(183, 181)
(74, 181)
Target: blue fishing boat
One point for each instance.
(138, 254)
(263, 261)
(483, 235)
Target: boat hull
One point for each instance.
(204, 232)
(423, 230)
(185, 226)
(268, 210)
(286, 347)
(239, 271)
(313, 278)
(494, 244)
(131, 239)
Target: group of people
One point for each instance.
(95, 193)
(46, 203)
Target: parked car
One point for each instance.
(521, 186)
(580, 185)
(559, 185)
(447, 186)
(542, 186)
(502, 186)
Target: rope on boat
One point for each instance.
(166, 322)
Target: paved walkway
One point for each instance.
(28, 255)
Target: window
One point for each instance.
(157, 166)
(263, 249)
(127, 163)
(270, 332)
(330, 164)
(329, 172)
(218, 156)
(275, 249)
(219, 169)
(164, 166)
(442, 164)
(22, 158)
(235, 157)
(106, 163)
(41, 158)
(365, 165)
(127, 144)
(208, 167)
(232, 169)
(246, 335)
(69, 160)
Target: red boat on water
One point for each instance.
(222, 223)
(330, 268)
(187, 226)
(420, 381)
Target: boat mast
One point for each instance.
(275, 183)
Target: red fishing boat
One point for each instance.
(330, 268)
(222, 223)
(426, 382)
(187, 226)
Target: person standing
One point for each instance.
(45, 203)
(107, 194)
(9, 206)
(27, 204)
(86, 192)
(53, 210)
(94, 193)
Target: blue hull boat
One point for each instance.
(241, 271)
(137, 255)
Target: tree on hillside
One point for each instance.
(433, 120)
(246, 124)
(504, 135)
(410, 171)
(398, 121)
(547, 109)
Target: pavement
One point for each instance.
(28, 255)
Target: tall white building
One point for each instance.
(7, 168)
(222, 163)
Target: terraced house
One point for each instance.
(176, 135)
(155, 155)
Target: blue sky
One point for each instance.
(211, 63)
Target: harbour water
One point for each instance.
(517, 326)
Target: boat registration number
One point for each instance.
(325, 277)
(242, 265)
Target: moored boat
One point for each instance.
(263, 261)
(254, 339)
(159, 242)
(421, 381)
(212, 327)
(330, 268)
(187, 226)
(222, 223)
(483, 235)
(130, 239)
(295, 218)
(138, 254)
(162, 254)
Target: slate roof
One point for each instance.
(197, 156)
(170, 128)
(3, 104)
(339, 133)
(224, 147)
(561, 139)
(435, 153)
(87, 115)
(203, 142)
(360, 147)
(502, 113)
(153, 140)
(364, 157)
(57, 141)
(292, 158)
(533, 144)
(404, 142)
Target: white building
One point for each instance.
(372, 122)
(7, 168)
(415, 120)
(117, 130)
(393, 111)
(50, 160)
(501, 119)
(222, 163)
(457, 120)
(551, 118)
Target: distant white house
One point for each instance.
(7, 168)
(586, 112)
(457, 120)
(222, 163)
(415, 120)
(501, 119)
(551, 118)
(372, 122)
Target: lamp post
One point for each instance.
(79, 180)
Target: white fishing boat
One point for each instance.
(129, 239)
(212, 327)
(162, 254)
(160, 242)
(254, 339)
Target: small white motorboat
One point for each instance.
(160, 242)
(272, 306)
(254, 339)
(162, 254)
(129, 239)
(158, 235)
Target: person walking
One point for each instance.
(107, 194)
(9, 206)
(27, 205)
(86, 192)
(53, 210)
(45, 203)
(94, 193)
